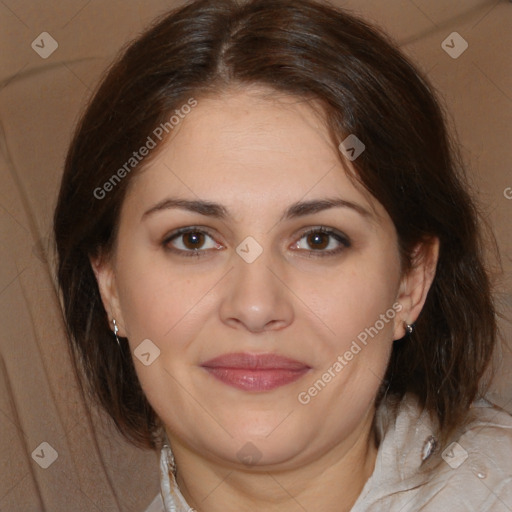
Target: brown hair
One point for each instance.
(367, 88)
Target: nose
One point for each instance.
(255, 296)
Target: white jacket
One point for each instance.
(471, 473)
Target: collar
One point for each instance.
(171, 495)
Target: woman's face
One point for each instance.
(262, 334)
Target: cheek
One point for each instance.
(358, 309)
(158, 301)
(357, 299)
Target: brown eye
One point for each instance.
(318, 240)
(323, 242)
(193, 240)
(190, 242)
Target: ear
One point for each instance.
(105, 276)
(415, 284)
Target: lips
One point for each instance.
(255, 372)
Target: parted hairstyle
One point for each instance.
(365, 87)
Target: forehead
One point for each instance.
(249, 147)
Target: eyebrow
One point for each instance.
(218, 211)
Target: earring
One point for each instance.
(409, 328)
(116, 329)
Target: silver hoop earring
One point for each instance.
(116, 329)
(409, 328)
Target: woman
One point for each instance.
(272, 271)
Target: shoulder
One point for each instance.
(482, 453)
(473, 470)
(489, 430)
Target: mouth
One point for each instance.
(255, 372)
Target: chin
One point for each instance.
(269, 445)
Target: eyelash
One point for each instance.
(339, 237)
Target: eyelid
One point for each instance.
(326, 230)
(187, 229)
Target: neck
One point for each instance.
(331, 482)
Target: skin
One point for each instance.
(256, 153)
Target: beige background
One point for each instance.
(40, 100)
